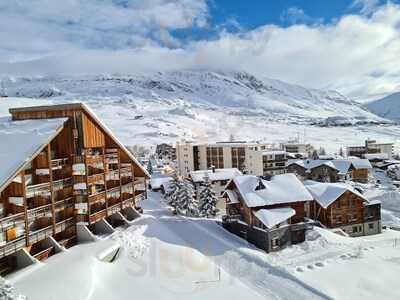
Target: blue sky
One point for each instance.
(349, 45)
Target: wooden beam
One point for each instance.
(23, 182)
(105, 178)
(53, 209)
(120, 178)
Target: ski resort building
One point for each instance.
(305, 150)
(338, 205)
(335, 170)
(268, 213)
(267, 162)
(62, 172)
(371, 147)
(193, 157)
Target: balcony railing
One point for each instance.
(64, 224)
(11, 221)
(92, 179)
(40, 234)
(114, 209)
(42, 255)
(93, 218)
(59, 163)
(12, 246)
(38, 189)
(101, 196)
(128, 202)
(41, 211)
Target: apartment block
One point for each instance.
(371, 147)
(267, 162)
(193, 157)
(62, 170)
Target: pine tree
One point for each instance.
(208, 200)
(150, 167)
(172, 195)
(186, 203)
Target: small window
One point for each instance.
(275, 243)
(355, 229)
(371, 225)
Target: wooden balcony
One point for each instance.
(113, 209)
(12, 246)
(68, 242)
(41, 211)
(40, 234)
(113, 189)
(97, 197)
(64, 224)
(94, 159)
(12, 221)
(44, 254)
(97, 216)
(92, 179)
(59, 163)
(38, 189)
(128, 202)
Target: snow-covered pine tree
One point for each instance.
(172, 195)
(186, 203)
(150, 167)
(208, 200)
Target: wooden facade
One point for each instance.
(351, 213)
(80, 177)
(239, 218)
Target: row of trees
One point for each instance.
(181, 197)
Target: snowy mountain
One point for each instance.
(387, 107)
(191, 104)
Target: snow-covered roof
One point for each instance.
(342, 165)
(218, 175)
(273, 217)
(233, 198)
(285, 188)
(326, 193)
(98, 121)
(20, 141)
(376, 156)
(273, 152)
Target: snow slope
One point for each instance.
(387, 107)
(169, 257)
(147, 109)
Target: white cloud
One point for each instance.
(357, 54)
(295, 15)
(366, 7)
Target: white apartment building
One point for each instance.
(292, 147)
(193, 157)
(267, 162)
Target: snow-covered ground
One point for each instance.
(170, 257)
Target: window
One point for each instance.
(355, 229)
(371, 225)
(275, 243)
(338, 219)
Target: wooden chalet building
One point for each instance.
(270, 214)
(334, 170)
(338, 205)
(61, 168)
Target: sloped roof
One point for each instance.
(233, 198)
(285, 188)
(219, 174)
(86, 109)
(20, 141)
(273, 217)
(326, 193)
(342, 165)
